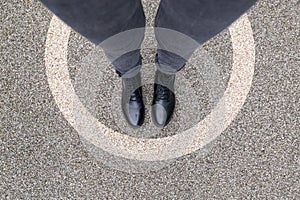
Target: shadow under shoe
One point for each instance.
(163, 103)
(132, 101)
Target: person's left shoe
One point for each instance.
(163, 103)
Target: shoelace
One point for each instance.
(162, 92)
(135, 95)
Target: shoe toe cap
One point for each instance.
(160, 115)
(135, 117)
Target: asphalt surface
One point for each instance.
(256, 157)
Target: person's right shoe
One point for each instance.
(132, 101)
(163, 103)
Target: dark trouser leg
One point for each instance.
(98, 20)
(197, 20)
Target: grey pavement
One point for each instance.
(256, 157)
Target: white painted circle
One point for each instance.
(149, 149)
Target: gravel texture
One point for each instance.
(256, 157)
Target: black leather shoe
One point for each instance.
(132, 101)
(163, 103)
